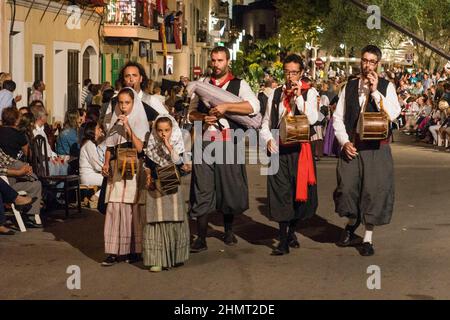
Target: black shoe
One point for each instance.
(198, 245)
(133, 258)
(9, 232)
(109, 261)
(347, 236)
(367, 249)
(282, 249)
(31, 224)
(229, 238)
(293, 241)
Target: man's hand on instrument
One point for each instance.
(211, 120)
(350, 151)
(373, 81)
(272, 146)
(219, 111)
(297, 88)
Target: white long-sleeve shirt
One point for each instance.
(245, 93)
(90, 165)
(390, 105)
(309, 108)
(153, 102)
(40, 131)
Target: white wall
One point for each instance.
(18, 64)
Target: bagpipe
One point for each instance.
(213, 96)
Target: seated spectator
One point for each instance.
(67, 142)
(90, 157)
(92, 115)
(16, 144)
(26, 125)
(9, 195)
(57, 165)
(21, 178)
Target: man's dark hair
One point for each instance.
(86, 82)
(36, 84)
(221, 49)
(446, 86)
(10, 116)
(9, 85)
(373, 50)
(25, 108)
(141, 73)
(295, 58)
(35, 102)
(107, 95)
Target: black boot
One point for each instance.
(229, 238)
(199, 245)
(283, 247)
(293, 241)
(292, 238)
(367, 249)
(348, 235)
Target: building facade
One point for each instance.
(52, 41)
(132, 31)
(258, 19)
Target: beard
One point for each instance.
(220, 74)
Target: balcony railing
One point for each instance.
(130, 13)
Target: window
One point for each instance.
(39, 67)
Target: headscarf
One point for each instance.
(157, 151)
(137, 120)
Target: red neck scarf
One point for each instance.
(225, 80)
(305, 166)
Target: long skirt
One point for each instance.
(123, 228)
(166, 244)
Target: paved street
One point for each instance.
(412, 252)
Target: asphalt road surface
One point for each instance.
(412, 253)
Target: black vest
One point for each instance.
(352, 107)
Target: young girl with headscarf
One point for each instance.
(124, 196)
(166, 232)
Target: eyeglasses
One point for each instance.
(371, 62)
(291, 73)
